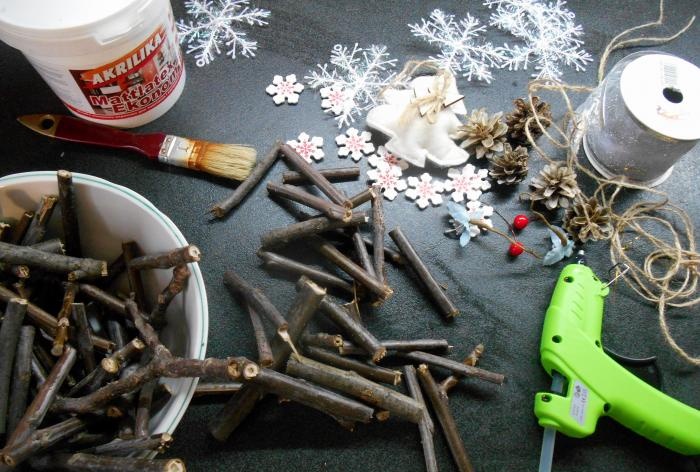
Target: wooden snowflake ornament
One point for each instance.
(285, 89)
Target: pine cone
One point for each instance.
(510, 168)
(555, 186)
(518, 118)
(483, 132)
(588, 220)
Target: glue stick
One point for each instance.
(115, 62)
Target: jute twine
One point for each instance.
(668, 275)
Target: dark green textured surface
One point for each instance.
(502, 300)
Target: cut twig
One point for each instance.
(82, 267)
(21, 377)
(216, 388)
(361, 198)
(293, 159)
(5, 230)
(318, 225)
(353, 384)
(63, 319)
(42, 440)
(143, 409)
(20, 229)
(470, 360)
(368, 371)
(255, 298)
(131, 251)
(114, 270)
(181, 275)
(105, 299)
(349, 349)
(378, 230)
(166, 259)
(447, 307)
(264, 351)
(51, 245)
(274, 260)
(323, 340)
(339, 174)
(331, 253)
(295, 194)
(221, 209)
(117, 333)
(362, 254)
(37, 228)
(447, 421)
(9, 339)
(83, 338)
(454, 366)
(389, 254)
(425, 426)
(91, 463)
(69, 213)
(119, 447)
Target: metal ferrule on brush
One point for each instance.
(181, 152)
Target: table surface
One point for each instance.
(502, 300)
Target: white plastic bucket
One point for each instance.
(115, 62)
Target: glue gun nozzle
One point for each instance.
(581, 257)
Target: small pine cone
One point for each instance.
(483, 132)
(555, 186)
(588, 220)
(517, 120)
(510, 168)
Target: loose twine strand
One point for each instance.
(668, 275)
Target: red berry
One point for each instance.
(520, 222)
(515, 249)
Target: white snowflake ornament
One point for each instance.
(308, 147)
(388, 178)
(285, 89)
(478, 211)
(424, 190)
(335, 99)
(383, 155)
(468, 182)
(354, 144)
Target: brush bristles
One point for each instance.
(232, 161)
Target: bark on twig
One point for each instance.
(378, 230)
(339, 174)
(454, 366)
(69, 213)
(131, 251)
(37, 227)
(181, 275)
(63, 319)
(324, 340)
(265, 358)
(318, 225)
(143, 409)
(20, 229)
(321, 277)
(166, 259)
(9, 339)
(216, 388)
(425, 426)
(295, 194)
(368, 371)
(119, 447)
(81, 462)
(82, 267)
(349, 349)
(361, 198)
(362, 254)
(42, 440)
(21, 377)
(83, 339)
(470, 360)
(255, 298)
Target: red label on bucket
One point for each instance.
(134, 83)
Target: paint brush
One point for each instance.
(232, 161)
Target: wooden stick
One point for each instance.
(361, 253)
(338, 174)
(361, 198)
(120, 447)
(51, 245)
(143, 409)
(83, 339)
(331, 253)
(447, 308)
(242, 403)
(351, 383)
(37, 228)
(389, 254)
(318, 225)
(166, 259)
(42, 440)
(9, 340)
(117, 333)
(368, 371)
(69, 213)
(378, 230)
(447, 421)
(181, 275)
(131, 251)
(470, 360)
(222, 208)
(216, 388)
(21, 227)
(425, 426)
(349, 349)
(265, 358)
(276, 261)
(21, 377)
(52, 262)
(354, 329)
(5, 230)
(44, 398)
(114, 270)
(255, 298)
(295, 194)
(91, 463)
(310, 395)
(293, 159)
(420, 357)
(63, 319)
(107, 300)
(323, 340)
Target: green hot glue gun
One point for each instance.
(587, 383)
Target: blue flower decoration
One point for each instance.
(460, 220)
(558, 251)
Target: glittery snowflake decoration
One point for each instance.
(388, 178)
(285, 89)
(383, 155)
(468, 182)
(360, 73)
(354, 144)
(549, 36)
(308, 147)
(461, 220)
(461, 50)
(424, 190)
(213, 28)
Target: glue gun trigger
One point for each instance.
(648, 362)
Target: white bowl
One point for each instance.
(110, 214)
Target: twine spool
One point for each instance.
(642, 118)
